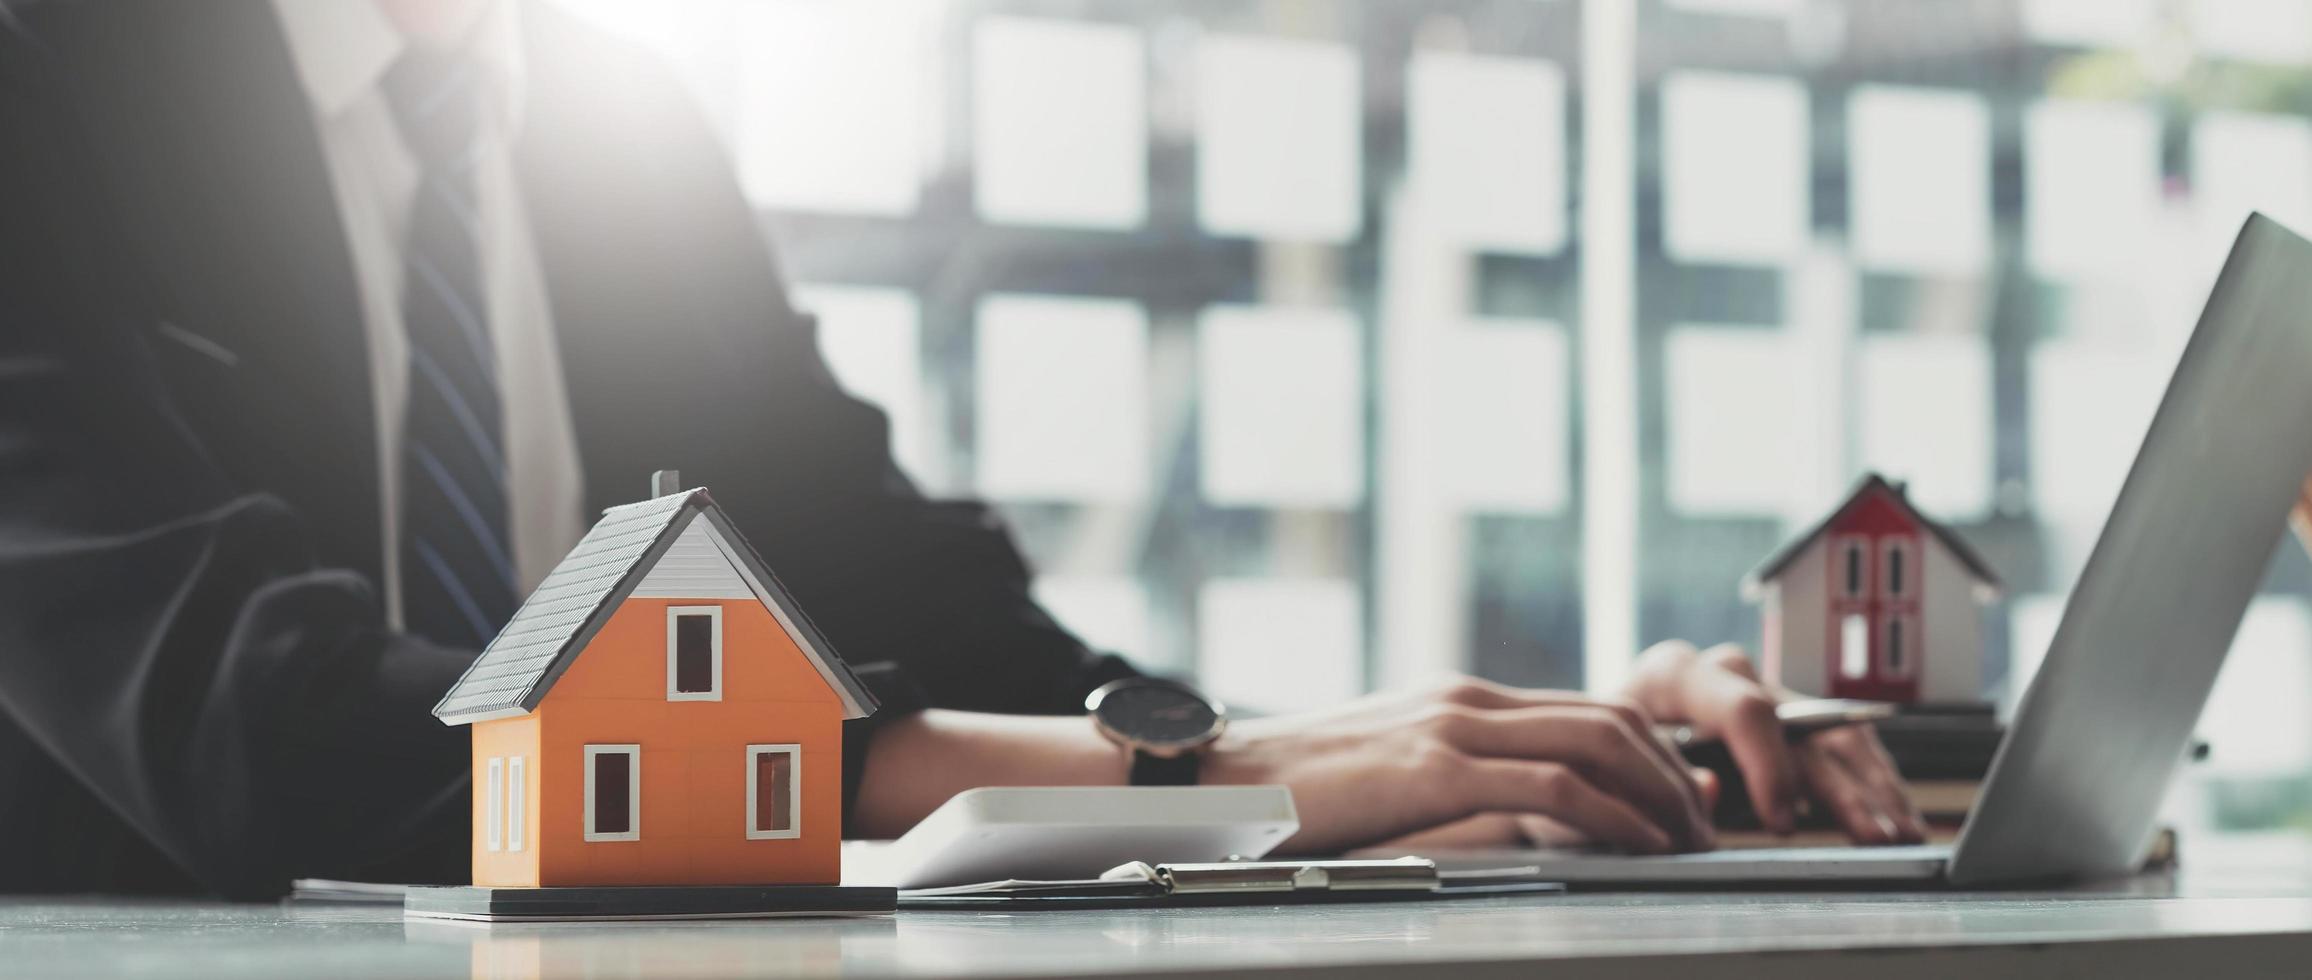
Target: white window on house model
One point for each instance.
(517, 802)
(774, 792)
(493, 804)
(613, 792)
(1854, 646)
(694, 653)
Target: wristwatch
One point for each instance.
(1162, 723)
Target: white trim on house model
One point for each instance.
(517, 802)
(493, 804)
(755, 823)
(674, 617)
(633, 754)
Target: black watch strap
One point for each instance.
(1149, 769)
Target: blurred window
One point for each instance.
(1854, 646)
(494, 804)
(1063, 399)
(1897, 557)
(1281, 419)
(1735, 176)
(1269, 644)
(1059, 123)
(1278, 128)
(2091, 186)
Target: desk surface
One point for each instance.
(2250, 916)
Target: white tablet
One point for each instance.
(1054, 833)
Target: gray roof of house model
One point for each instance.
(515, 671)
(1959, 548)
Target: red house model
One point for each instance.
(658, 712)
(1878, 601)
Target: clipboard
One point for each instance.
(1204, 884)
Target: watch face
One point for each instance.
(1157, 713)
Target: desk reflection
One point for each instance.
(725, 948)
(1262, 936)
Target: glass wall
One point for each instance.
(1265, 322)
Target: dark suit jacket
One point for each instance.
(196, 690)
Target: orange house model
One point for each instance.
(658, 712)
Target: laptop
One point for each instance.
(2074, 790)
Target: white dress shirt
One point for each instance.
(342, 49)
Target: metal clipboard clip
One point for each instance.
(1410, 874)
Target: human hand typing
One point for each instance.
(1843, 769)
(2301, 516)
(1467, 763)
(1475, 762)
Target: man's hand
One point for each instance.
(1470, 763)
(1482, 757)
(1845, 768)
(2301, 517)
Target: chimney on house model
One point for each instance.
(664, 482)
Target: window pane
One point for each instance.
(2093, 23)
(1060, 131)
(1502, 445)
(774, 791)
(1854, 646)
(1854, 570)
(1895, 570)
(1280, 644)
(517, 803)
(1283, 420)
(493, 806)
(2277, 32)
(1485, 147)
(1732, 394)
(1919, 185)
(1063, 398)
(1895, 646)
(2091, 186)
(1735, 168)
(1752, 8)
(864, 152)
(1279, 132)
(694, 654)
(611, 800)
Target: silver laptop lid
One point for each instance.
(2076, 788)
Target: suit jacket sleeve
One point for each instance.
(165, 637)
(928, 600)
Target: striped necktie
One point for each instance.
(457, 574)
